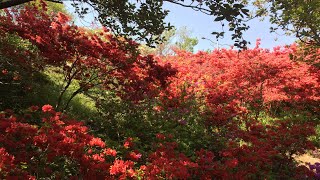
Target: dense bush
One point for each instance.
(93, 60)
(59, 147)
(236, 83)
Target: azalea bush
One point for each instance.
(59, 147)
(92, 60)
(254, 81)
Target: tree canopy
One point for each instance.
(298, 17)
(144, 20)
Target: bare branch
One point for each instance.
(194, 7)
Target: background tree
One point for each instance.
(174, 39)
(298, 17)
(185, 42)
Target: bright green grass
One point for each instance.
(47, 87)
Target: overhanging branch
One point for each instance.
(194, 7)
(9, 3)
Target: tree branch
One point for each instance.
(194, 7)
(9, 3)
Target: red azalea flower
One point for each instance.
(97, 142)
(47, 108)
(128, 143)
(110, 152)
(118, 167)
(5, 72)
(134, 156)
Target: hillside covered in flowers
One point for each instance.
(78, 104)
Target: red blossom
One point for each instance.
(97, 142)
(134, 156)
(120, 167)
(4, 71)
(128, 143)
(110, 152)
(47, 108)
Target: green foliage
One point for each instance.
(57, 7)
(146, 19)
(15, 73)
(23, 85)
(48, 87)
(52, 7)
(119, 119)
(298, 17)
(129, 19)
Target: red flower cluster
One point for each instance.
(28, 151)
(45, 108)
(93, 59)
(234, 83)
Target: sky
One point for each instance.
(202, 25)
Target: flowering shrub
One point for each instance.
(61, 147)
(234, 83)
(58, 148)
(236, 88)
(94, 60)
